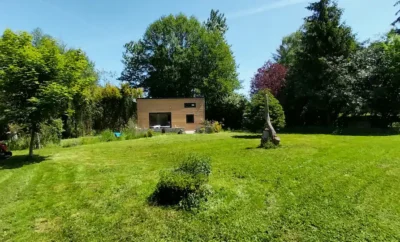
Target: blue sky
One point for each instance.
(256, 27)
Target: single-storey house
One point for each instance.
(186, 113)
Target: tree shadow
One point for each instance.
(19, 161)
(342, 131)
(254, 136)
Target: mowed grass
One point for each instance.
(313, 188)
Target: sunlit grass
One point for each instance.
(313, 188)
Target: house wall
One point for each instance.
(177, 109)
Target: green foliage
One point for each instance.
(115, 106)
(216, 127)
(254, 118)
(51, 132)
(229, 111)
(38, 78)
(80, 141)
(398, 18)
(107, 136)
(270, 145)
(210, 127)
(130, 133)
(201, 130)
(149, 133)
(396, 126)
(22, 143)
(196, 165)
(368, 81)
(179, 57)
(186, 186)
(310, 90)
(216, 22)
(289, 49)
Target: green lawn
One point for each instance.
(313, 188)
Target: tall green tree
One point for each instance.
(37, 79)
(179, 57)
(370, 78)
(309, 84)
(115, 106)
(397, 13)
(217, 22)
(288, 50)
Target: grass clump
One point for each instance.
(186, 186)
(107, 136)
(270, 145)
(210, 127)
(149, 133)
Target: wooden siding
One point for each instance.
(177, 109)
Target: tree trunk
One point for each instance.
(269, 133)
(32, 142)
(38, 141)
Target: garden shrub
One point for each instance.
(216, 126)
(21, 143)
(129, 133)
(254, 117)
(107, 136)
(201, 130)
(396, 127)
(89, 140)
(149, 133)
(51, 132)
(210, 127)
(195, 165)
(270, 145)
(186, 186)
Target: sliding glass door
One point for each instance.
(160, 119)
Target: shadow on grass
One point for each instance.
(255, 136)
(19, 161)
(341, 131)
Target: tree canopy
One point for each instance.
(309, 85)
(180, 57)
(270, 76)
(38, 79)
(216, 22)
(287, 52)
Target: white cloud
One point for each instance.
(265, 8)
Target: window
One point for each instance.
(161, 119)
(190, 105)
(189, 118)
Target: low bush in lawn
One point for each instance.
(186, 186)
(107, 136)
(270, 145)
(210, 127)
(149, 133)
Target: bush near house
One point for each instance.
(210, 127)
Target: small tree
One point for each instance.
(254, 119)
(270, 76)
(38, 78)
